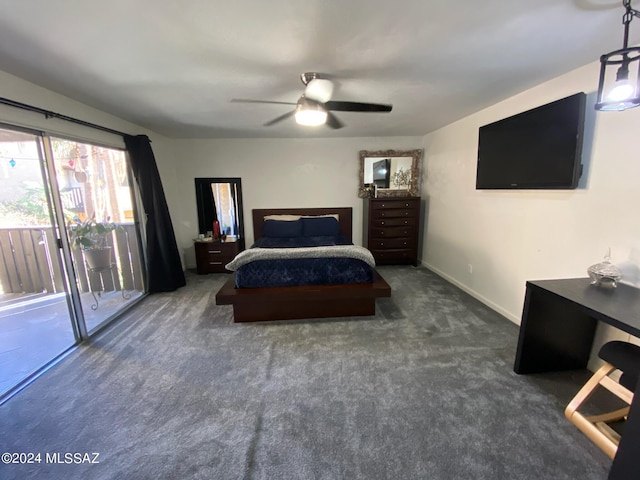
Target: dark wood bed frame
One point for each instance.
(314, 301)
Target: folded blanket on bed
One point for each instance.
(334, 251)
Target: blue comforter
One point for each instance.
(304, 269)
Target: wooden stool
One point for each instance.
(617, 355)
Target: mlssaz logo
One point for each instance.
(72, 458)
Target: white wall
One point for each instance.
(275, 173)
(19, 90)
(510, 237)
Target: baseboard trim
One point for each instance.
(493, 306)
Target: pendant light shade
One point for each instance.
(619, 85)
(310, 113)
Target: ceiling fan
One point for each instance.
(315, 106)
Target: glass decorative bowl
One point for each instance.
(604, 273)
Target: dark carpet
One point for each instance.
(425, 389)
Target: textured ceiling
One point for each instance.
(174, 65)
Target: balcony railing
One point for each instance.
(29, 262)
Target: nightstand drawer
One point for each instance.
(211, 257)
(214, 253)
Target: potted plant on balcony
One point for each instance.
(91, 237)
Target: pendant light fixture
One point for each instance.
(310, 113)
(623, 92)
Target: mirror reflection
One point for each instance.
(220, 199)
(392, 172)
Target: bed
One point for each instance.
(320, 300)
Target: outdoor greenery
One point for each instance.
(91, 234)
(30, 209)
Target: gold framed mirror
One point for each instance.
(390, 173)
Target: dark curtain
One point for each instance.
(234, 198)
(210, 213)
(164, 269)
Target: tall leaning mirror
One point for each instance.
(220, 199)
(394, 173)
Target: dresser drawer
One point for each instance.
(391, 229)
(393, 232)
(391, 243)
(392, 213)
(211, 257)
(386, 257)
(394, 222)
(393, 204)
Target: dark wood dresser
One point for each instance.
(391, 229)
(212, 256)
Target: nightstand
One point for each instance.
(213, 255)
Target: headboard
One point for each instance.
(345, 217)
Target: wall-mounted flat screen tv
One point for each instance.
(537, 149)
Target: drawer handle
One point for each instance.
(215, 251)
(406, 204)
(215, 263)
(406, 221)
(381, 244)
(381, 223)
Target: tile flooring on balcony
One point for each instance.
(35, 328)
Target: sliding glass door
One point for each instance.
(36, 324)
(97, 200)
(63, 204)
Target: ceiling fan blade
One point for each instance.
(333, 122)
(357, 107)
(280, 118)
(247, 100)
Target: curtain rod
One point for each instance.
(49, 114)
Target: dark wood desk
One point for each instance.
(559, 321)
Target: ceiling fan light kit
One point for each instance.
(623, 92)
(314, 107)
(319, 89)
(310, 114)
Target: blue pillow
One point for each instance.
(282, 228)
(320, 227)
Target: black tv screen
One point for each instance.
(537, 149)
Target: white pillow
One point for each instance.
(334, 215)
(286, 218)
